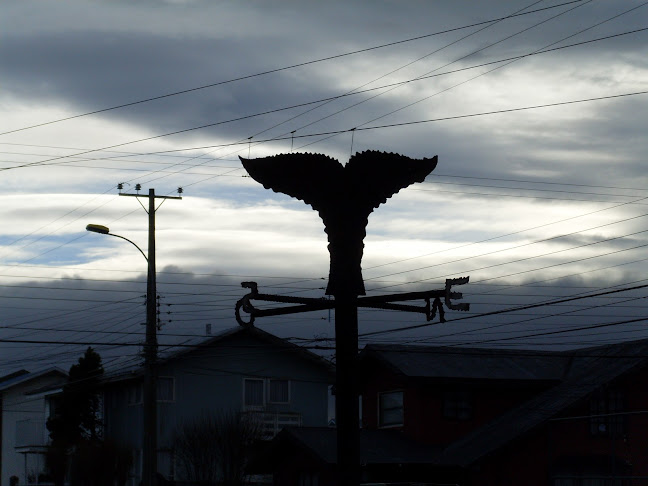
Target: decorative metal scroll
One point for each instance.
(432, 299)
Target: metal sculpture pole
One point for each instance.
(344, 196)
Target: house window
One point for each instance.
(606, 418)
(279, 391)
(257, 392)
(52, 406)
(134, 391)
(136, 467)
(253, 392)
(308, 479)
(390, 409)
(457, 405)
(166, 464)
(165, 389)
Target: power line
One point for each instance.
(306, 63)
(531, 258)
(537, 317)
(394, 125)
(447, 89)
(372, 127)
(505, 311)
(322, 100)
(563, 331)
(543, 240)
(326, 100)
(515, 60)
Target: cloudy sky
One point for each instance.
(537, 111)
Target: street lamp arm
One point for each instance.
(124, 238)
(104, 230)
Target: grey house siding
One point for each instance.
(211, 379)
(24, 435)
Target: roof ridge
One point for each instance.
(429, 348)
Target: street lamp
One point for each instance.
(149, 444)
(104, 230)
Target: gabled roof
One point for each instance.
(591, 368)
(172, 353)
(12, 376)
(442, 362)
(263, 336)
(20, 377)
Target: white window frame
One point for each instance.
(270, 380)
(263, 399)
(380, 415)
(171, 456)
(266, 392)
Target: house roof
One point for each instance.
(172, 352)
(442, 362)
(24, 376)
(376, 446)
(590, 369)
(577, 373)
(12, 376)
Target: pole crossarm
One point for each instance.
(146, 195)
(432, 298)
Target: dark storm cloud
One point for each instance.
(95, 69)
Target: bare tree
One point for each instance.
(214, 448)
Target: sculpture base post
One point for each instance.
(347, 390)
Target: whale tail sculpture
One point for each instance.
(344, 197)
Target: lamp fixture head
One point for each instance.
(97, 228)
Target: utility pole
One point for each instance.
(149, 439)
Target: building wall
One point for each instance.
(24, 415)
(562, 446)
(212, 380)
(423, 402)
(565, 446)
